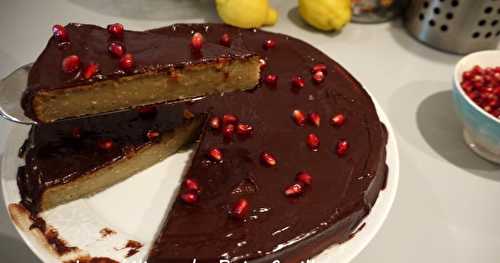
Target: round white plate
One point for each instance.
(135, 208)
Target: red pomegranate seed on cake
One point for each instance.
(225, 40)
(304, 177)
(90, 70)
(318, 77)
(116, 49)
(244, 129)
(71, 64)
(229, 119)
(338, 120)
(197, 41)
(215, 154)
(314, 118)
(298, 82)
(268, 159)
(152, 135)
(263, 63)
(294, 190)
(116, 30)
(189, 197)
(342, 147)
(299, 117)
(269, 44)
(319, 67)
(127, 62)
(214, 123)
(146, 109)
(228, 131)
(240, 209)
(192, 185)
(313, 141)
(105, 144)
(76, 133)
(271, 79)
(59, 33)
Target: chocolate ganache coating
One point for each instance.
(288, 228)
(152, 53)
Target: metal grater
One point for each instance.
(457, 26)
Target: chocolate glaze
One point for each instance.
(289, 229)
(55, 156)
(152, 53)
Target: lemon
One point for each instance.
(246, 13)
(326, 15)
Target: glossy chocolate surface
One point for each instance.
(151, 52)
(277, 227)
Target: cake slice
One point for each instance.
(86, 69)
(74, 158)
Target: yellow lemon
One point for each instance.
(326, 14)
(246, 13)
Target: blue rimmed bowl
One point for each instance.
(481, 130)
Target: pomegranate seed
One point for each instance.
(225, 40)
(271, 79)
(269, 44)
(127, 62)
(215, 154)
(313, 141)
(116, 30)
(214, 123)
(319, 68)
(105, 144)
(240, 209)
(342, 147)
(294, 190)
(318, 77)
(192, 185)
(482, 85)
(298, 82)
(304, 177)
(197, 41)
(189, 197)
(229, 119)
(244, 129)
(263, 63)
(76, 133)
(90, 70)
(146, 109)
(299, 117)
(116, 49)
(338, 120)
(153, 135)
(314, 119)
(268, 159)
(228, 131)
(71, 64)
(59, 33)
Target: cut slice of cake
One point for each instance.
(74, 158)
(86, 69)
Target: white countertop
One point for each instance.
(446, 209)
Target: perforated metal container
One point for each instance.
(458, 26)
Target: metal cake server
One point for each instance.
(11, 91)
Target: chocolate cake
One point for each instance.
(87, 69)
(282, 171)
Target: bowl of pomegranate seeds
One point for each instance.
(476, 93)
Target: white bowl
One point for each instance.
(481, 129)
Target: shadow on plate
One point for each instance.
(442, 130)
(414, 46)
(153, 9)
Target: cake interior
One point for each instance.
(148, 88)
(131, 163)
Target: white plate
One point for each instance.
(135, 208)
